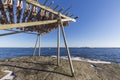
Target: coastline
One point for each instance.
(105, 54)
(84, 60)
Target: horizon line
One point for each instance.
(60, 47)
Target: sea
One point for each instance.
(104, 54)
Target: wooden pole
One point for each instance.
(10, 33)
(58, 45)
(39, 44)
(68, 52)
(35, 45)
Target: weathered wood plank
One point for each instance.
(28, 24)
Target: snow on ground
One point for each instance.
(9, 76)
(83, 59)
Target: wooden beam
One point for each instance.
(45, 2)
(58, 45)
(16, 32)
(27, 32)
(55, 7)
(51, 4)
(36, 45)
(48, 9)
(67, 49)
(28, 24)
(39, 45)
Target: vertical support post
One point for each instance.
(35, 45)
(39, 44)
(68, 52)
(58, 45)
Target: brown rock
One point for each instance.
(44, 68)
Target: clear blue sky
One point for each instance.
(98, 26)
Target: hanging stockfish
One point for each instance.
(3, 13)
(10, 10)
(26, 12)
(19, 10)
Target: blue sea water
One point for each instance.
(106, 54)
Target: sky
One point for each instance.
(98, 25)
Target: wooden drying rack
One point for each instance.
(35, 17)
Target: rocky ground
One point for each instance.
(2, 74)
(44, 68)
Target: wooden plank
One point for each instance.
(48, 9)
(28, 24)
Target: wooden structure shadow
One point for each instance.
(34, 69)
(29, 16)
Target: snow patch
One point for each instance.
(9, 76)
(83, 59)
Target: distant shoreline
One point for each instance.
(90, 53)
(64, 47)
